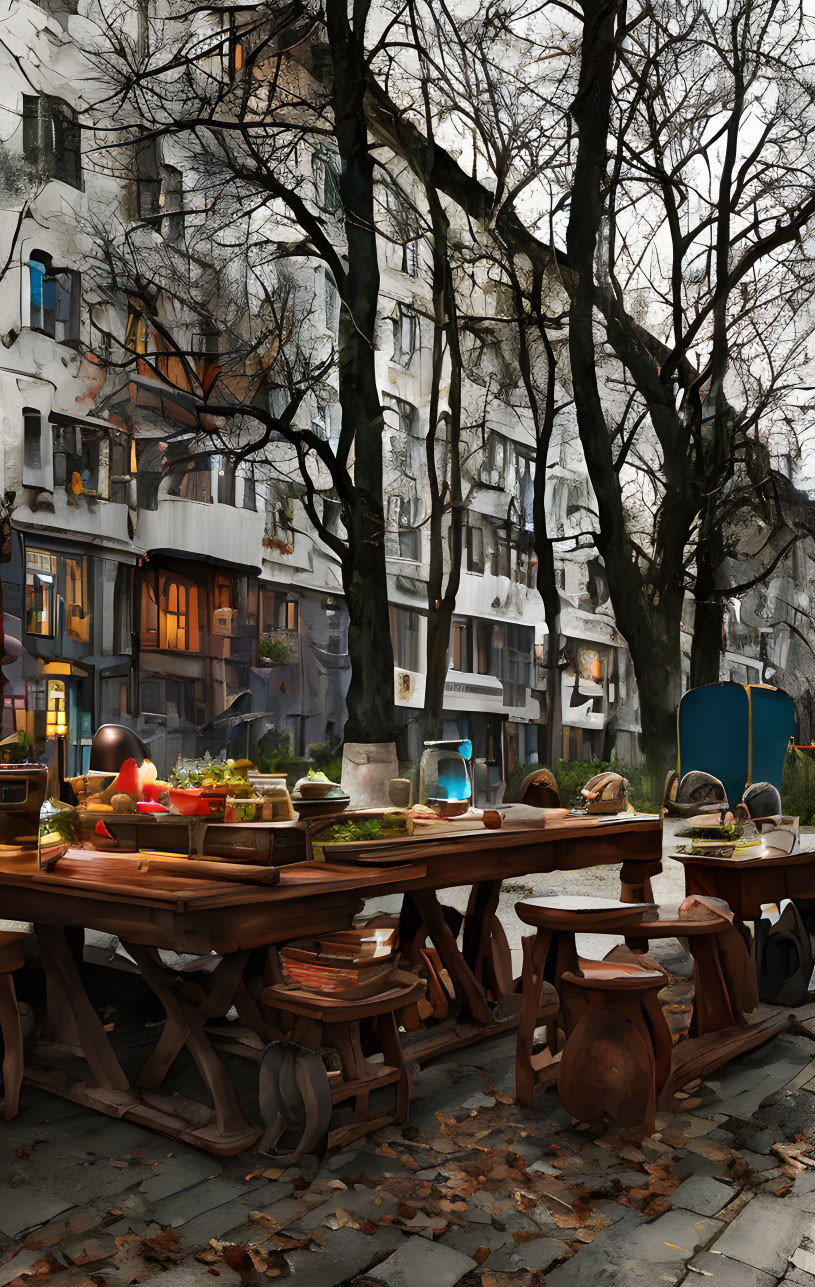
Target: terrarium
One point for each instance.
(444, 776)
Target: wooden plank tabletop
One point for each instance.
(437, 840)
(121, 878)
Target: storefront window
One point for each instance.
(40, 593)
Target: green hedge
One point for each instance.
(798, 786)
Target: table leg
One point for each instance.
(13, 1042)
(188, 1018)
(67, 990)
(635, 880)
(485, 947)
(469, 991)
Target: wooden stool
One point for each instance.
(12, 956)
(352, 1030)
(546, 957)
(618, 1048)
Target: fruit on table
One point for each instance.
(151, 806)
(123, 803)
(148, 773)
(127, 782)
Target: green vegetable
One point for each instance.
(366, 829)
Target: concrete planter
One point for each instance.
(367, 768)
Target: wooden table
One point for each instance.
(461, 854)
(149, 910)
(748, 881)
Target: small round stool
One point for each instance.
(351, 1031)
(12, 957)
(618, 1049)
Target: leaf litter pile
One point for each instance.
(518, 1192)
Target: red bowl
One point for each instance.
(189, 801)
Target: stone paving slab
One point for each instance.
(634, 1253)
(766, 1233)
(418, 1263)
(703, 1195)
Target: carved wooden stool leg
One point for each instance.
(13, 1042)
(533, 986)
(387, 1036)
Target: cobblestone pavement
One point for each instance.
(475, 1191)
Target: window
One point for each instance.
(326, 175)
(405, 325)
(40, 593)
(52, 138)
(179, 613)
(500, 554)
(196, 484)
(32, 440)
(494, 462)
(277, 612)
(475, 548)
(148, 179)
(54, 298)
(405, 229)
(170, 612)
(223, 610)
(405, 637)
(38, 465)
(231, 49)
(83, 458)
(172, 201)
(226, 480)
(136, 332)
(77, 611)
(461, 646)
(246, 477)
(332, 304)
(402, 537)
(410, 258)
(483, 647)
(120, 477)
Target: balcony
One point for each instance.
(224, 534)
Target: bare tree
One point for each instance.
(278, 172)
(667, 205)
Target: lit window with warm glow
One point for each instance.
(40, 593)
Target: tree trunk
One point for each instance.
(371, 715)
(657, 660)
(438, 647)
(649, 617)
(445, 492)
(708, 611)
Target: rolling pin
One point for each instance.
(201, 869)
